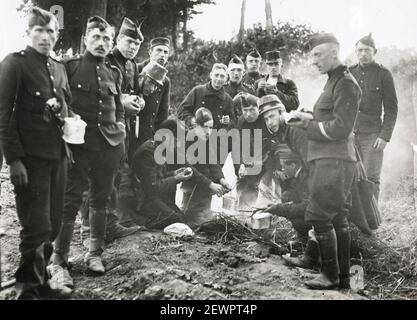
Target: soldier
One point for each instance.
(378, 92)
(274, 83)
(253, 64)
(129, 41)
(157, 102)
(235, 85)
(212, 96)
(95, 85)
(332, 158)
(158, 182)
(34, 93)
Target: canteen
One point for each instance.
(74, 130)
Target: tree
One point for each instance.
(268, 13)
(242, 20)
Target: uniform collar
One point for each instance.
(210, 91)
(118, 55)
(33, 53)
(339, 69)
(96, 60)
(253, 74)
(369, 66)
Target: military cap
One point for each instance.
(131, 29)
(219, 66)
(160, 41)
(97, 22)
(40, 17)
(269, 102)
(368, 41)
(246, 99)
(156, 72)
(320, 38)
(272, 56)
(236, 63)
(254, 53)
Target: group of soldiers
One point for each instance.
(124, 104)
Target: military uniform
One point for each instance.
(378, 92)
(28, 80)
(249, 79)
(156, 110)
(158, 185)
(285, 90)
(331, 150)
(95, 85)
(232, 90)
(218, 102)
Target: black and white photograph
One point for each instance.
(235, 151)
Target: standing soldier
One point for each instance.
(253, 64)
(95, 85)
(274, 83)
(34, 93)
(378, 90)
(129, 41)
(235, 85)
(332, 160)
(157, 102)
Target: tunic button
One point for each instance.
(203, 102)
(52, 78)
(100, 113)
(99, 78)
(98, 68)
(220, 107)
(37, 93)
(100, 101)
(54, 90)
(99, 124)
(48, 64)
(79, 86)
(157, 101)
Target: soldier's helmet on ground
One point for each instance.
(131, 29)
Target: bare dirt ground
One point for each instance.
(152, 265)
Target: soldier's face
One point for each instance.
(323, 57)
(290, 169)
(253, 64)
(128, 46)
(218, 78)
(43, 38)
(365, 53)
(99, 43)
(159, 54)
(250, 113)
(272, 119)
(236, 75)
(274, 68)
(204, 131)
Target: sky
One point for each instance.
(391, 22)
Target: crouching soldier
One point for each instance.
(34, 93)
(95, 85)
(157, 182)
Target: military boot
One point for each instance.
(97, 234)
(125, 212)
(310, 258)
(329, 276)
(343, 250)
(58, 271)
(114, 230)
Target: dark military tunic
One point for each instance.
(156, 110)
(331, 151)
(285, 90)
(232, 90)
(378, 93)
(95, 84)
(129, 70)
(249, 79)
(28, 80)
(218, 102)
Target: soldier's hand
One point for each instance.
(217, 189)
(262, 84)
(18, 174)
(130, 104)
(225, 184)
(242, 171)
(380, 144)
(280, 175)
(270, 88)
(184, 174)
